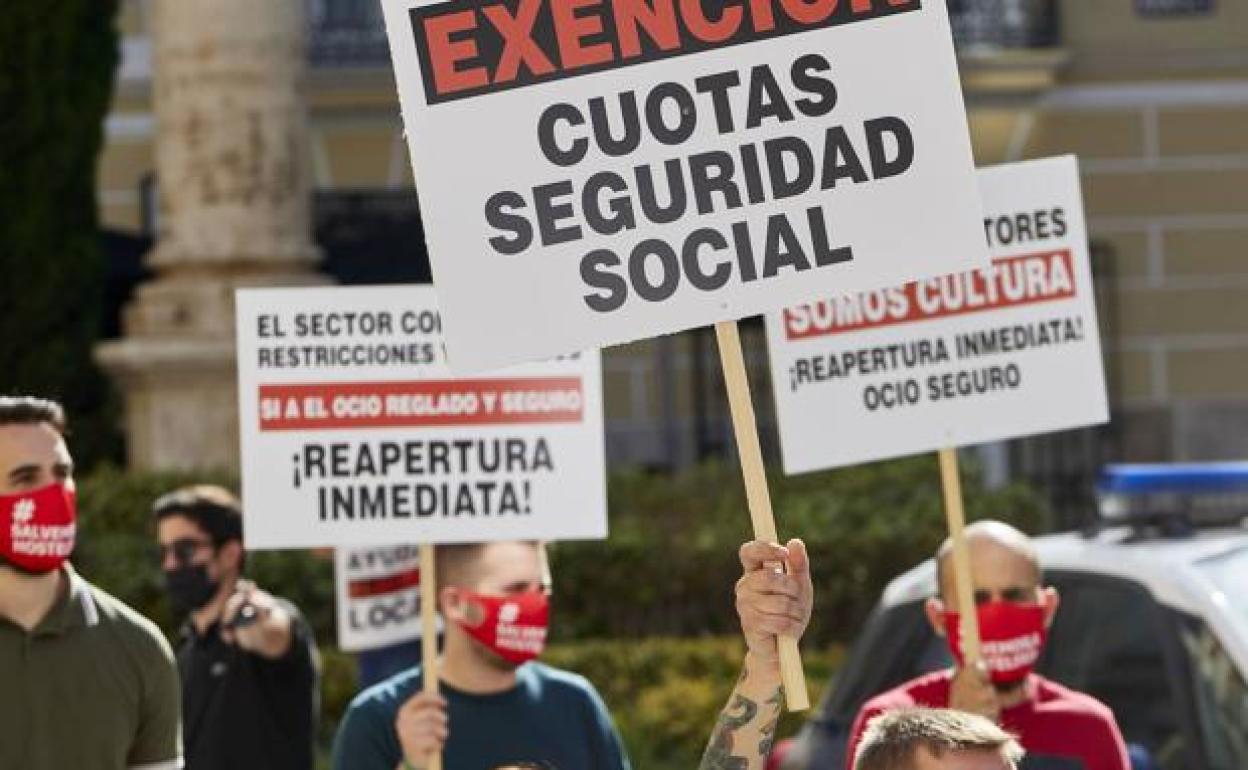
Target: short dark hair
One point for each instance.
(893, 738)
(214, 509)
(453, 563)
(30, 410)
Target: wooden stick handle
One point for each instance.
(951, 481)
(429, 632)
(756, 492)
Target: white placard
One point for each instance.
(354, 434)
(596, 172)
(378, 593)
(987, 355)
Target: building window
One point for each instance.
(994, 24)
(1164, 8)
(347, 33)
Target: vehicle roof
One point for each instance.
(1161, 564)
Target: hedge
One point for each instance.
(670, 563)
(648, 614)
(664, 694)
(667, 569)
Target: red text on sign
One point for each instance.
(329, 406)
(1043, 277)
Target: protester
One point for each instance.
(498, 707)
(85, 682)
(770, 603)
(247, 658)
(935, 739)
(1014, 613)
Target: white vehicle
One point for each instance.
(1153, 622)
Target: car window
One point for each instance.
(896, 645)
(1107, 640)
(1221, 697)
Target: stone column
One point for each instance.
(234, 197)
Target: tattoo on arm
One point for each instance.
(740, 712)
(768, 730)
(740, 724)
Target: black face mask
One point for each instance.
(190, 588)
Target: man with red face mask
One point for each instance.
(85, 682)
(497, 707)
(1057, 726)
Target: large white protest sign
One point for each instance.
(354, 434)
(378, 593)
(997, 353)
(598, 171)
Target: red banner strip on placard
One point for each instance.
(332, 406)
(366, 587)
(474, 47)
(1010, 282)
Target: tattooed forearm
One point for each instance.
(768, 729)
(739, 713)
(744, 733)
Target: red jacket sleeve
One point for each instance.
(1111, 750)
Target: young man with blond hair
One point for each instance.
(935, 739)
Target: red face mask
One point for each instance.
(1011, 638)
(514, 626)
(37, 529)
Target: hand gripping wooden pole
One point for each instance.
(756, 492)
(429, 632)
(951, 481)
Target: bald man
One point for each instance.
(1061, 729)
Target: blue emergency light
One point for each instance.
(1176, 496)
(1192, 478)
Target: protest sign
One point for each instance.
(378, 593)
(597, 171)
(354, 434)
(1006, 351)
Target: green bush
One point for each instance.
(667, 570)
(116, 549)
(670, 564)
(339, 676)
(665, 694)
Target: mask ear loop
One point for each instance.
(543, 562)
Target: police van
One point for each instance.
(1153, 622)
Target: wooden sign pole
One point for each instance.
(756, 492)
(951, 481)
(429, 631)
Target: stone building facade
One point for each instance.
(1152, 96)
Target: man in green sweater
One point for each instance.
(87, 683)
